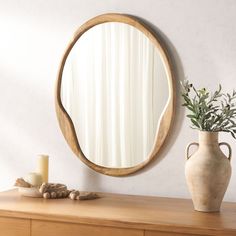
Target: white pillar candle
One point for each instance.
(42, 167)
(35, 179)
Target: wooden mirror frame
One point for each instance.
(165, 121)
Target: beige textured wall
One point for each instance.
(201, 35)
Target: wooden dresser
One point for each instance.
(111, 215)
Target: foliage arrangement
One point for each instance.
(210, 111)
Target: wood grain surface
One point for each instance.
(124, 211)
(45, 228)
(14, 227)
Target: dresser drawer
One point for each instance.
(14, 227)
(159, 233)
(47, 228)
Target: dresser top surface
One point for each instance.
(120, 211)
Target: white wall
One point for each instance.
(201, 35)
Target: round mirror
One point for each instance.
(114, 94)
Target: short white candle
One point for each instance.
(35, 179)
(42, 167)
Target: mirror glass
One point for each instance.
(115, 89)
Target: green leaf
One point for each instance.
(191, 116)
(233, 135)
(210, 111)
(195, 123)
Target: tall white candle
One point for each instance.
(42, 167)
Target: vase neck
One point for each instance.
(206, 137)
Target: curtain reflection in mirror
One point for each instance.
(114, 88)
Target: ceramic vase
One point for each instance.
(207, 172)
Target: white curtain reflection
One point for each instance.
(114, 88)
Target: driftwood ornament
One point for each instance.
(20, 182)
(52, 190)
(76, 195)
(57, 190)
(88, 196)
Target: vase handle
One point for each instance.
(187, 150)
(230, 150)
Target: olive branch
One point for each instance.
(210, 112)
